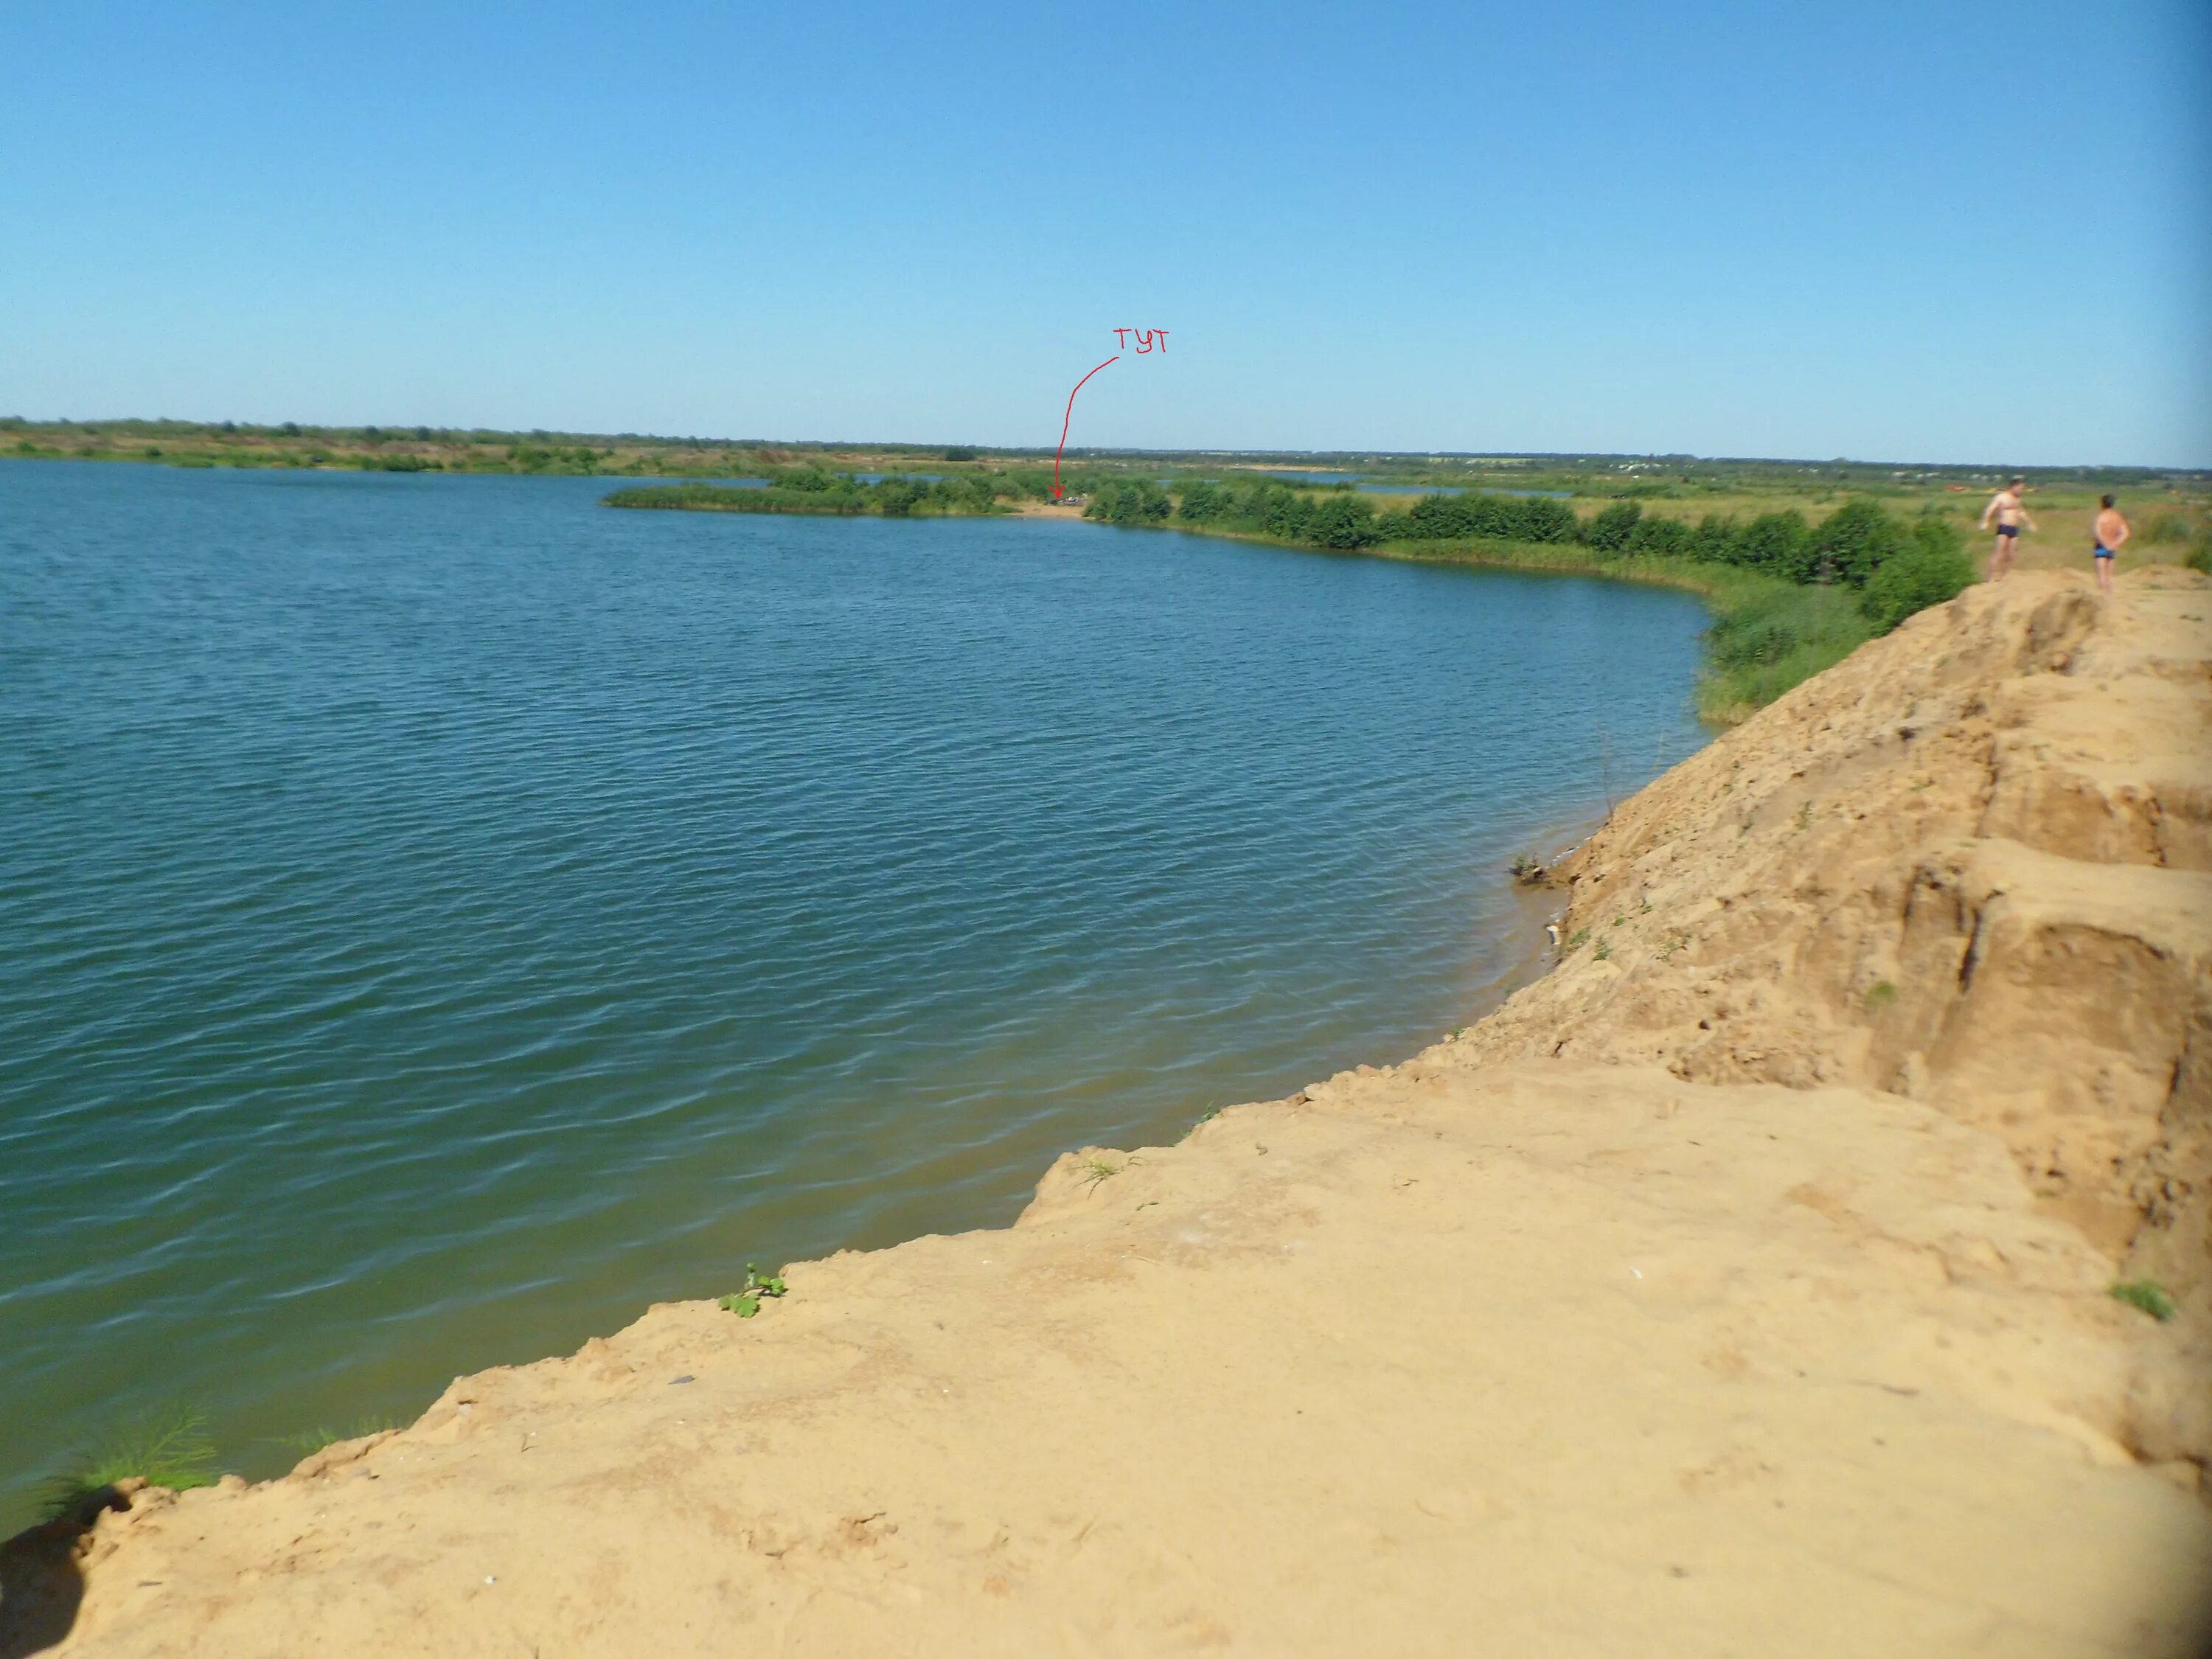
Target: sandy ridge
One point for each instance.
(1706, 1299)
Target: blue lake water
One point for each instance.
(440, 915)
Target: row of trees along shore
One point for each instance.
(1790, 596)
(814, 489)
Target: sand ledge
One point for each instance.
(1741, 1289)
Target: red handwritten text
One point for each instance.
(1148, 338)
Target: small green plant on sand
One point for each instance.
(1880, 994)
(1604, 950)
(308, 1442)
(169, 1448)
(1581, 938)
(744, 1302)
(1671, 944)
(1527, 869)
(1097, 1169)
(1805, 816)
(2146, 1296)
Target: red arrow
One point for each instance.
(1066, 418)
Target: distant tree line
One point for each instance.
(814, 489)
(1340, 518)
(1893, 566)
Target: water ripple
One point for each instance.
(439, 917)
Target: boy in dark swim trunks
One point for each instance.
(2011, 513)
(2111, 531)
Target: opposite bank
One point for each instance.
(1742, 1286)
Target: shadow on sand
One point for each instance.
(41, 1583)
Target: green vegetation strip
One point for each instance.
(168, 1449)
(814, 489)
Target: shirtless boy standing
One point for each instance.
(2111, 531)
(2012, 516)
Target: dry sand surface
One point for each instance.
(1710, 1298)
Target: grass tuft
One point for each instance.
(1098, 1169)
(308, 1442)
(170, 1447)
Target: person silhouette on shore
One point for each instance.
(2008, 507)
(2111, 531)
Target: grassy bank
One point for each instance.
(813, 490)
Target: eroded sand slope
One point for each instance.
(1707, 1300)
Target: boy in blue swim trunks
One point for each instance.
(2011, 513)
(2111, 531)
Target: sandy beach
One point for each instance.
(1740, 1286)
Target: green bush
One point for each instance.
(974, 492)
(1440, 517)
(1713, 542)
(1342, 521)
(1852, 541)
(1491, 518)
(1765, 643)
(1129, 503)
(1546, 520)
(1664, 538)
(1778, 543)
(1203, 503)
(1610, 530)
(1930, 567)
(898, 497)
(1280, 512)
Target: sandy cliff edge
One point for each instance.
(1739, 1288)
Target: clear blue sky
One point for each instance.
(1944, 232)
